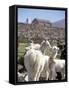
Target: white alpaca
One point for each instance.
(34, 62)
(57, 66)
(60, 66)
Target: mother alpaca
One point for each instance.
(34, 62)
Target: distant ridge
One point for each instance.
(60, 23)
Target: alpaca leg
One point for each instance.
(29, 77)
(34, 75)
(63, 74)
(52, 75)
(47, 75)
(39, 72)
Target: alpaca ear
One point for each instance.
(42, 42)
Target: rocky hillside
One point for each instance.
(32, 31)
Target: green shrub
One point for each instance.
(21, 52)
(22, 39)
(21, 60)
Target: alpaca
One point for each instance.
(58, 66)
(34, 62)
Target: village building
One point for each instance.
(42, 22)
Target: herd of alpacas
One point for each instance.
(39, 65)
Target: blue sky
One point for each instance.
(51, 15)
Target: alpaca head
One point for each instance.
(55, 48)
(48, 43)
(44, 45)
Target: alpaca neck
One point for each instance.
(42, 49)
(55, 54)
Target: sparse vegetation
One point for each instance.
(21, 51)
